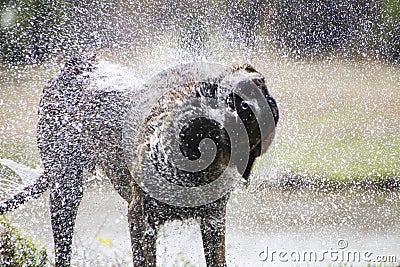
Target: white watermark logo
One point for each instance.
(340, 254)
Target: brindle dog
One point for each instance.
(80, 128)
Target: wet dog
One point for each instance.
(81, 126)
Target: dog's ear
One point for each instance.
(197, 130)
(200, 128)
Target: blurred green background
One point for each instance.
(36, 30)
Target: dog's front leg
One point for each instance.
(65, 196)
(143, 234)
(213, 234)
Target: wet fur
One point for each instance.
(80, 129)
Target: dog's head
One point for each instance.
(249, 94)
(207, 122)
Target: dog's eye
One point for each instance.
(244, 105)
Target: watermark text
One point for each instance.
(340, 254)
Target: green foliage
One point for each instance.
(17, 250)
(28, 31)
(306, 28)
(390, 47)
(35, 30)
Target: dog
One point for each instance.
(81, 126)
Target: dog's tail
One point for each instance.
(31, 191)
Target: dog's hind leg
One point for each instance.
(65, 196)
(143, 231)
(212, 228)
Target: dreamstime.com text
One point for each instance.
(340, 254)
